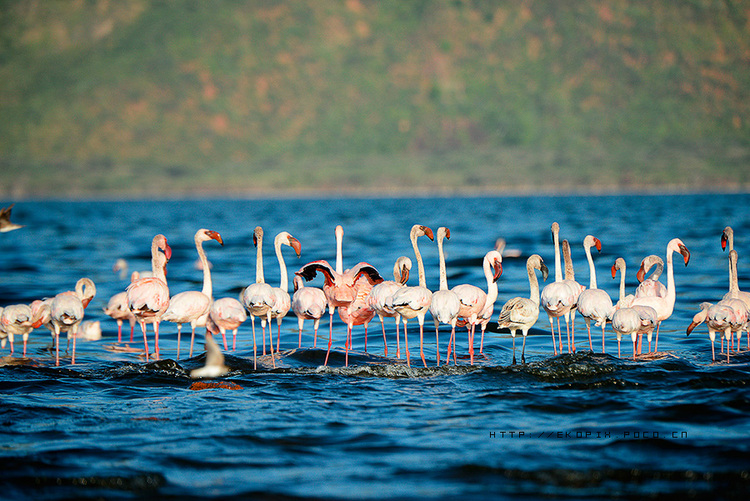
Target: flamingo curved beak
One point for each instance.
(641, 275)
(296, 245)
(724, 240)
(614, 270)
(447, 233)
(167, 251)
(545, 271)
(86, 301)
(498, 267)
(427, 231)
(685, 254)
(215, 235)
(598, 244)
(404, 275)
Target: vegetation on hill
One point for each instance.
(139, 97)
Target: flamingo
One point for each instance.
(258, 298)
(445, 304)
(192, 306)
(413, 302)
(650, 286)
(341, 287)
(594, 304)
(66, 313)
(380, 294)
(647, 315)
(521, 312)
(117, 308)
(559, 297)
(474, 301)
(625, 320)
(148, 297)
(665, 305)
(727, 237)
(720, 317)
(283, 302)
(226, 314)
(18, 320)
(5, 224)
(734, 299)
(308, 303)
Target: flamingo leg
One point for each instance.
(234, 339)
(179, 335)
(604, 325)
(523, 349)
(145, 341)
(481, 342)
(421, 342)
(656, 343)
(278, 337)
(552, 330)
(573, 330)
(270, 336)
(437, 343)
(316, 323)
(471, 344)
(255, 346)
(514, 348)
(567, 331)
(224, 337)
(73, 357)
(330, 342)
(119, 331)
(132, 328)
(406, 346)
(398, 340)
(299, 345)
(588, 329)
(347, 344)
(634, 349)
(618, 347)
(450, 340)
(385, 342)
(559, 334)
(713, 350)
(57, 345)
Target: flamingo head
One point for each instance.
(614, 270)
(294, 243)
(423, 230)
(497, 266)
(545, 271)
(257, 235)
(726, 236)
(641, 275)
(685, 253)
(214, 235)
(85, 301)
(598, 244)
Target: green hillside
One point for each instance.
(146, 97)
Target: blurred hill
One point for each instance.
(135, 97)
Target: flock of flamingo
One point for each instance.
(359, 293)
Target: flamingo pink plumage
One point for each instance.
(192, 306)
(66, 313)
(650, 286)
(445, 304)
(341, 287)
(148, 297)
(117, 309)
(474, 301)
(225, 314)
(18, 320)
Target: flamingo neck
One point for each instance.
(569, 272)
(443, 274)
(622, 284)
(259, 278)
(207, 284)
(491, 283)
(558, 266)
(592, 269)
(420, 265)
(533, 284)
(671, 290)
(282, 267)
(158, 264)
(734, 287)
(339, 252)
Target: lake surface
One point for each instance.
(584, 425)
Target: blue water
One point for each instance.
(586, 425)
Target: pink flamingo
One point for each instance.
(665, 305)
(445, 304)
(258, 298)
(650, 286)
(523, 312)
(560, 297)
(380, 294)
(66, 313)
(414, 302)
(148, 297)
(225, 314)
(308, 303)
(594, 304)
(727, 237)
(283, 302)
(19, 320)
(340, 287)
(474, 300)
(192, 306)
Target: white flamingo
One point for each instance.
(259, 298)
(380, 294)
(282, 303)
(192, 306)
(226, 314)
(66, 313)
(593, 303)
(445, 304)
(559, 297)
(308, 303)
(665, 305)
(523, 312)
(413, 302)
(650, 286)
